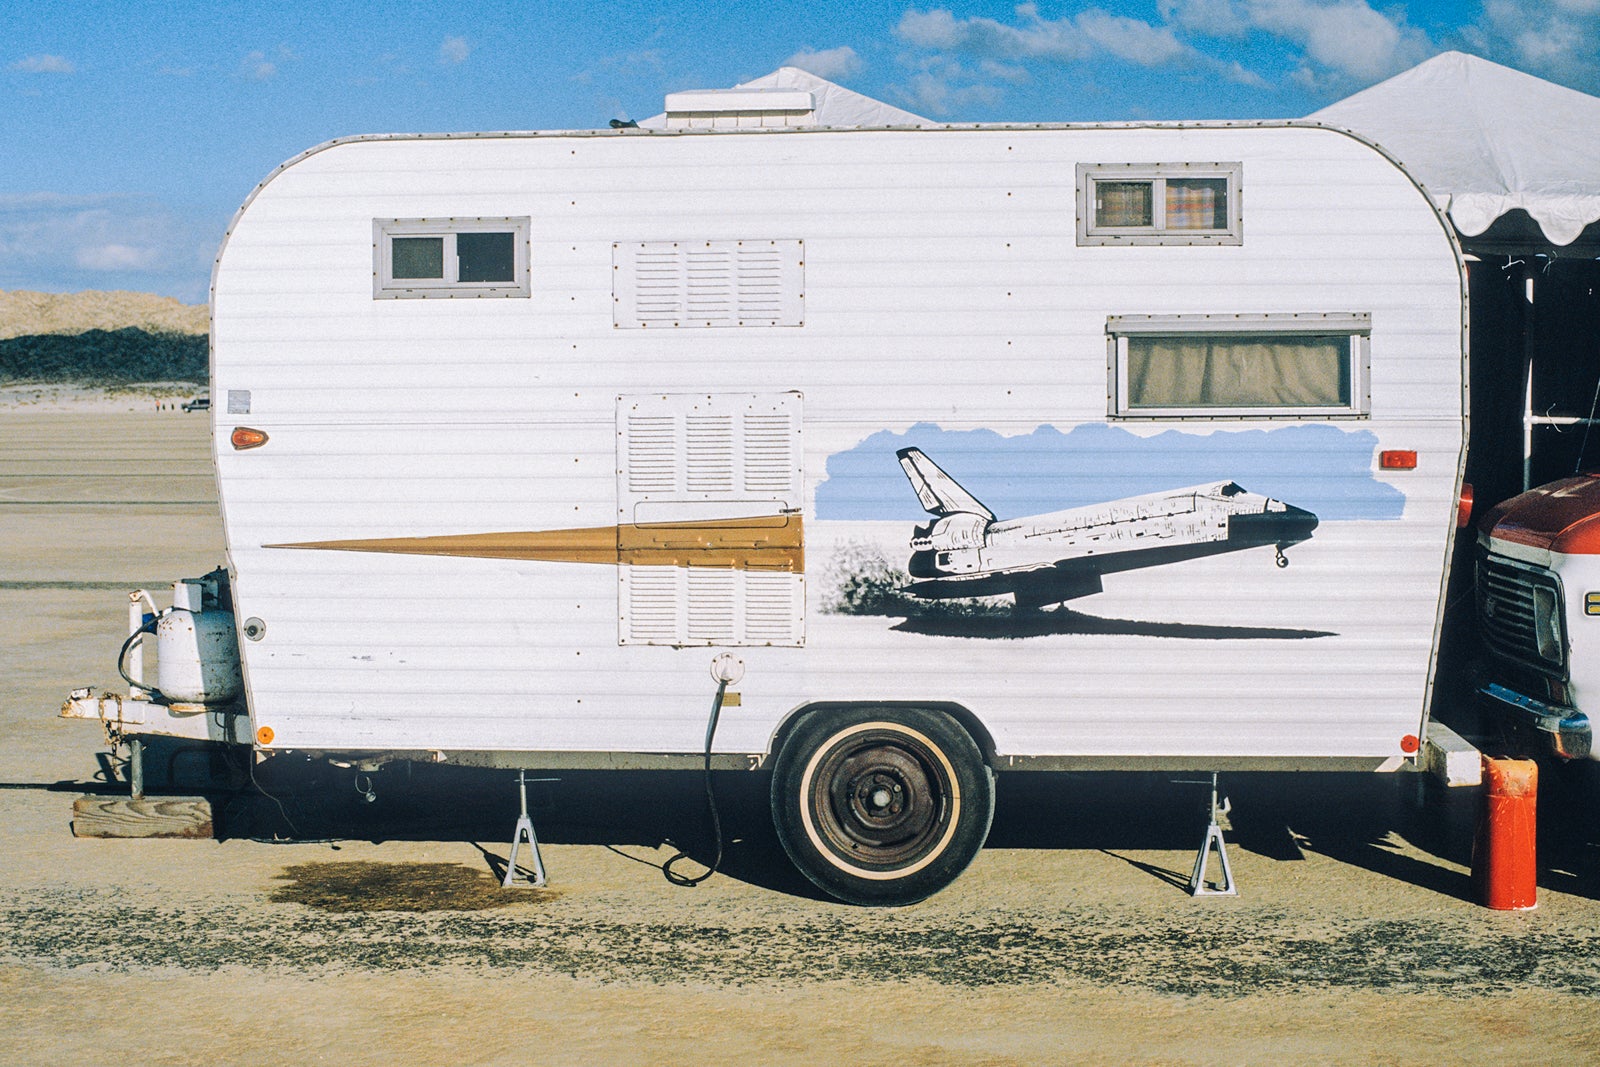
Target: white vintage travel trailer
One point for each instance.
(943, 451)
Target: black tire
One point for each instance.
(881, 806)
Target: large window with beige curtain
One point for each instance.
(1310, 365)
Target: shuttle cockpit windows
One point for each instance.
(1160, 204)
(453, 257)
(1312, 365)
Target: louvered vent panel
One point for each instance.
(713, 606)
(652, 454)
(651, 598)
(770, 452)
(773, 602)
(686, 464)
(710, 453)
(679, 284)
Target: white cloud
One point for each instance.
(1346, 37)
(1557, 38)
(1005, 50)
(941, 85)
(838, 62)
(116, 257)
(257, 67)
(260, 66)
(454, 51)
(1006, 72)
(1207, 18)
(1343, 42)
(59, 242)
(930, 92)
(1334, 46)
(1033, 38)
(45, 64)
(1066, 40)
(1237, 73)
(1132, 40)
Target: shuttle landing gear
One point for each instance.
(1280, 559)
(882, 805)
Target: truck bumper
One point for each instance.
(1563, 731)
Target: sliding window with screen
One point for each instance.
(1313, 365)
(1160, 204)
(451, 257)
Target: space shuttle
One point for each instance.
(1050, 559)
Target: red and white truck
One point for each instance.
(1538, 594)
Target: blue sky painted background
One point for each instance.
(132, 129)
(1324, 469)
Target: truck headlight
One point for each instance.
(1547, 624)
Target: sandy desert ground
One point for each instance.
(332, 930)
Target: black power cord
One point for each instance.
(711, 804)
(122, 659)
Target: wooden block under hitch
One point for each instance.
(101, 816)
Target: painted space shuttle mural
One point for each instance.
(1049, 559)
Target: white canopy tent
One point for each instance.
(1514, 162)
(1512, 159)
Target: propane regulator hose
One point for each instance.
(156, 695)
(711, 803)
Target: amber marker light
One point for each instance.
(1464, 507)
(264, 735)
(244, 437)
(1398, 459)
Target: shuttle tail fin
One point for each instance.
(939, 493)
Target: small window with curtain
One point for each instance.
(453, 257)
(1159, 203)
(1312, 365)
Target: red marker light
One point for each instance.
(1409, 744)
(1398, 459)
(1464, 507)
(244, 437)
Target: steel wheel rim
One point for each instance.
(881, 799)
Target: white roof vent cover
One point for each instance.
(740, 108)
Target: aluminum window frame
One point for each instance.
(1157, 174)
(385, 286)
(1356, 324)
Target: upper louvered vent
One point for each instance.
(709, 493)
(736, 448)
(677, 284)
(652, 454)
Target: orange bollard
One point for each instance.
(1504, 854)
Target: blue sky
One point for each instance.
(1325, 469)
(133, 130)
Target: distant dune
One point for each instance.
(23, 313)
(101, 339)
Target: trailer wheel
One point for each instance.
(881, 806)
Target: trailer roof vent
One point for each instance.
(740, 109)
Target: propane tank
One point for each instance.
(197, 651)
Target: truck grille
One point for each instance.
(1520, 614)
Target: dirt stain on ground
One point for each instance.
(414, 887)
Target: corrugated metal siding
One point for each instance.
(942, 285)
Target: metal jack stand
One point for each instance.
(525, 833)
(1197, 880)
